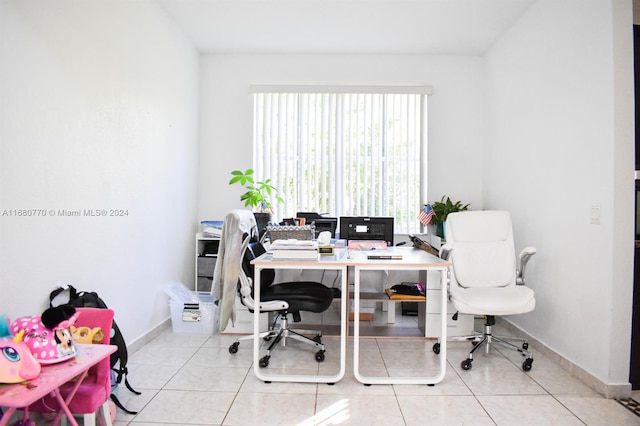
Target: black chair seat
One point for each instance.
(300, 295)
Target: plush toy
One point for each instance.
(17, 364)
(87, 334)
(48, 335)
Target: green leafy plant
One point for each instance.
(258, 193)
(445, 206)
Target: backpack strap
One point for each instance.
(116, 401)
(73, 294)
(120, 357)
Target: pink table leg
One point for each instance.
(7, 415)
(64, 404)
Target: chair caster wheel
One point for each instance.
(466, 364)
(320, 356)
(436, 348)
(525, 346)
(318, 339)
(527, 364)
(234, 347)
(264, 361)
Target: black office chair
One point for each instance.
(282, 299)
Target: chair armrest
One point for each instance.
(525, 255)
(269, 306)
(445, 251)
(274, 305)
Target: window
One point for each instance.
(348, 151)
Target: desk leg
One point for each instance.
(356, 327)
(398, 380)
(344, 320)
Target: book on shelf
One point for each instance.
(399, 296)
(211, 233)
(212, 228)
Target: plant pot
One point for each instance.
(440, 229)
(262, 220)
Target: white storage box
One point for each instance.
(194, 317)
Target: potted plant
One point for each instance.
(442, 208)
(257, 196)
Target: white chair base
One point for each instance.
(486, 339)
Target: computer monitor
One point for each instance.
(367, 228)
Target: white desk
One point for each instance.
(412, 259)
(338, 262)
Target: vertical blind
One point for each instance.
(343, 152)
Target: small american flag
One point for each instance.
(426, 214)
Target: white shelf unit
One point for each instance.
(205, 264)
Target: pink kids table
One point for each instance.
(51, 377)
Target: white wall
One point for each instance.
(98, 111)
(559, 140)
(455, 114)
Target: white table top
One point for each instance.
(411, 258)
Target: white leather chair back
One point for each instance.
(483, 252)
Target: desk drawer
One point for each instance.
(462, 327)
(434, 302)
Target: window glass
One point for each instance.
(343, 154)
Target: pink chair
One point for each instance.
(95, 389)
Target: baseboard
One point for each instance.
(608, 390)
(138, 343)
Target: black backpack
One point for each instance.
(84, 299)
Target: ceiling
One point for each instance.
(433, 27)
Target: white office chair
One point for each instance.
(484, 278)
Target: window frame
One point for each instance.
(410, 223)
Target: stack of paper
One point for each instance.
(294, 249)
(212, 228)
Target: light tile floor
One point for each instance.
(194, 380)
